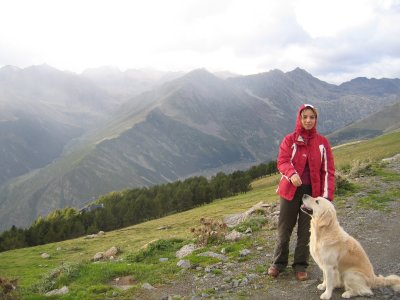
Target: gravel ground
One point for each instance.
(377, 231)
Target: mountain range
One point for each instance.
(67, 138)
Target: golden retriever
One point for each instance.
(341, 258)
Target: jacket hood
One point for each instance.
(299, 130)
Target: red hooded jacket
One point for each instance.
(298, 147)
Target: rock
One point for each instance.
(98, 256)
(62, 291)
(185, 250)
(90, 236)
(165, 227)
(183, 263)
(248, 230)
(163, 259)
(233, 236)
(45, 255)
(111, 252)
(236, 219)
(148, 286)
(100, 233)
(244, 252)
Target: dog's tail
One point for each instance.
(392, 280)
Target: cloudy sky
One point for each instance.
(334, 40)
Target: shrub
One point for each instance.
(210, 231)
(343, 185)
(361, 168)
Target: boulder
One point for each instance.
(185, 250)
(98, 256)
(233, 236)
(184, 264)
(62, 291)
(111, 252)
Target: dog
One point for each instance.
(341, 257)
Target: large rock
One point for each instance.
(111, 252)
(62, 291)
(236, 219)
(185, 250)
(233, 236)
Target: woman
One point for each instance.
(305, 161)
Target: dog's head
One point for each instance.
(319, 208)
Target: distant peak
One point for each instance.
(42, 68)
(200, 74)
(298, 71)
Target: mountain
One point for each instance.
(383, 121)
(42, 110)
(195, 124)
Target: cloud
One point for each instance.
(333, 39)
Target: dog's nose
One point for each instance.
(305, 196)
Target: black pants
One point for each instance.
(290, 213)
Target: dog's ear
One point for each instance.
(326, 219)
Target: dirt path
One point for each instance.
(377, 231)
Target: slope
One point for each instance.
(93, 278)
(383, 121)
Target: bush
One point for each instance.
(343, 185)
(361, 168)
(211, 231)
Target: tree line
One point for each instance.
(128, 207)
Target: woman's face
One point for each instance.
(308, 119)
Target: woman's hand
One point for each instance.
(295, 180)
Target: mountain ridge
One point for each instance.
(197, 123)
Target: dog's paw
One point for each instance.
(321, 287)
(347, 295)
(326, 296)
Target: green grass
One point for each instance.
(87, 280)
(377, 200)
(375, 149)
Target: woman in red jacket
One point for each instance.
(305, 161)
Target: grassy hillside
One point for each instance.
(88, 280)
(383, 121)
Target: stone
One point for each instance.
(233, 236)
(183, 263)
(148, 286)
(244, 252)
(98, 256)
(62, 291)
(163, 259)
(111, 252)
(185, 250)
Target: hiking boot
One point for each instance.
(301, 276)
(273, 271)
